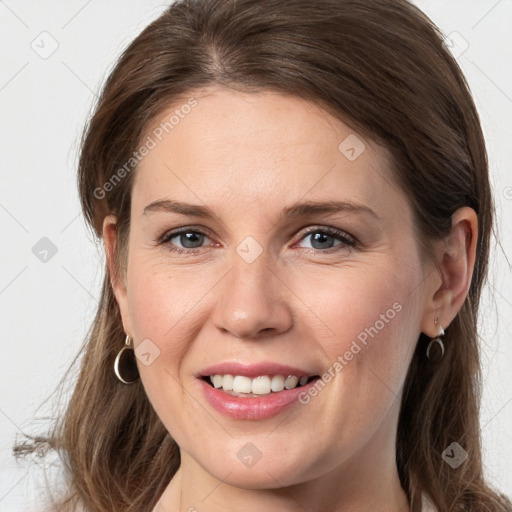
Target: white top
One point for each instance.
(426, 504)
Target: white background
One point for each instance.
(46, 308)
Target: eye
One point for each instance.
(189, 239)
(324, 238)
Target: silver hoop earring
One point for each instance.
(435, 349)
(125, 365)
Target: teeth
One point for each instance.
(241, 384)
(291, 382)
(277, 383)
(217, 381)
(261, 385)
(227, 382)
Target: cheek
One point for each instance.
(162, 300)
(161, 306)
(366, 320)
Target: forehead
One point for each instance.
(256, 148)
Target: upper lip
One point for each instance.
(254, 369)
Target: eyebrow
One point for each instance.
(297, 210)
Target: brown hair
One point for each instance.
(381, 67)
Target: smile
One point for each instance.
(262, 385)
(251, 406)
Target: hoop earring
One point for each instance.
(435, 349)
(125, 365)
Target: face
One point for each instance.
(265, 286)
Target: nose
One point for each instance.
(253, 301)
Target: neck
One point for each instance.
(320, 495)
(367, 480)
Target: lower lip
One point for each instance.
(252, 408)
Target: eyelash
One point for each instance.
(345, 238)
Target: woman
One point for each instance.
(294, 202)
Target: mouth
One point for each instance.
(256, 390)
(259, 386)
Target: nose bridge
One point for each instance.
(252, 300)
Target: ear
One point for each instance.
(455, 263)
(119, 286)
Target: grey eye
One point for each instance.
(189, 239)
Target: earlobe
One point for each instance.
(455, 266)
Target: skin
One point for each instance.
(247, 156)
